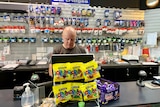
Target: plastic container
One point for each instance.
(27, 99)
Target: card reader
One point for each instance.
(156, 80)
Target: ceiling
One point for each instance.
(116, 3)
(103, 3)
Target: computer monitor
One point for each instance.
(63, 58)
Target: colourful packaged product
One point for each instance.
(90, 91)
(76, 71)
(108, 90)
(76, 94)
(91, 72)
(61, 72)
(62, 93)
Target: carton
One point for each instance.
(109, 91)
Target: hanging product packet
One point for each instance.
(76, 94)
(90, 71)
(90, 91)
(76, 71)
(62, 93)
(61, 72)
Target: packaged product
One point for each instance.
(76, 92)
(89, 91)
(109, 91)
(90, 71)
(76, 71)
(61, 72)
(62, 93)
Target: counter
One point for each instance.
(130, 95)
(127, 72)
(112, 71)
(111, 65)
(29, 68)
(21, 74)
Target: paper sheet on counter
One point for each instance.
(149, 63)
(10, 66)
(42, 63)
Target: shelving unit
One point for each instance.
(84, 38)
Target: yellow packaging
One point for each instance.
(76, 71)
(62, 93)
(76, 92)
(91, 73)
(61, 72)
(89, 91)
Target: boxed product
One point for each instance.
(109, 91)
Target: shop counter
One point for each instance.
(127, 72)
(29, 68)
(21, 74)
(115, 65)
(130, 95)
(112, 71)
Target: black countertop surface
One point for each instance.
(28, 68)
(110, 65)
(36, 67)
(130, 95)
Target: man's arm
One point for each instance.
(56, 50)
(50, 70)
(50, 65)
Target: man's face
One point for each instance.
(69, 40)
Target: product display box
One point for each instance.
(109, 91)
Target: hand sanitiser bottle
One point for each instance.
(27, 99)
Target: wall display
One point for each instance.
(43, 25)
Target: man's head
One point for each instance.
(69, 37)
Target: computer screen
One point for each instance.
(63, 58)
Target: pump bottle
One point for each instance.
(27, 99)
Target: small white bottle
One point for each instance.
(27, 99)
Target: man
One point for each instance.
(69, 46)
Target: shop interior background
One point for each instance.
(18, 52)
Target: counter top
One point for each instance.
(110, 65)
(28, 68)
(36, 67)
(130, 95)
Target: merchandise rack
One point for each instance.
(56, 58)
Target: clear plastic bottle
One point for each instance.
(27, 99)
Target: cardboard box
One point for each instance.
(109, 91)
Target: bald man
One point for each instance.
(69, 46)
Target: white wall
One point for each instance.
(152, 24)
